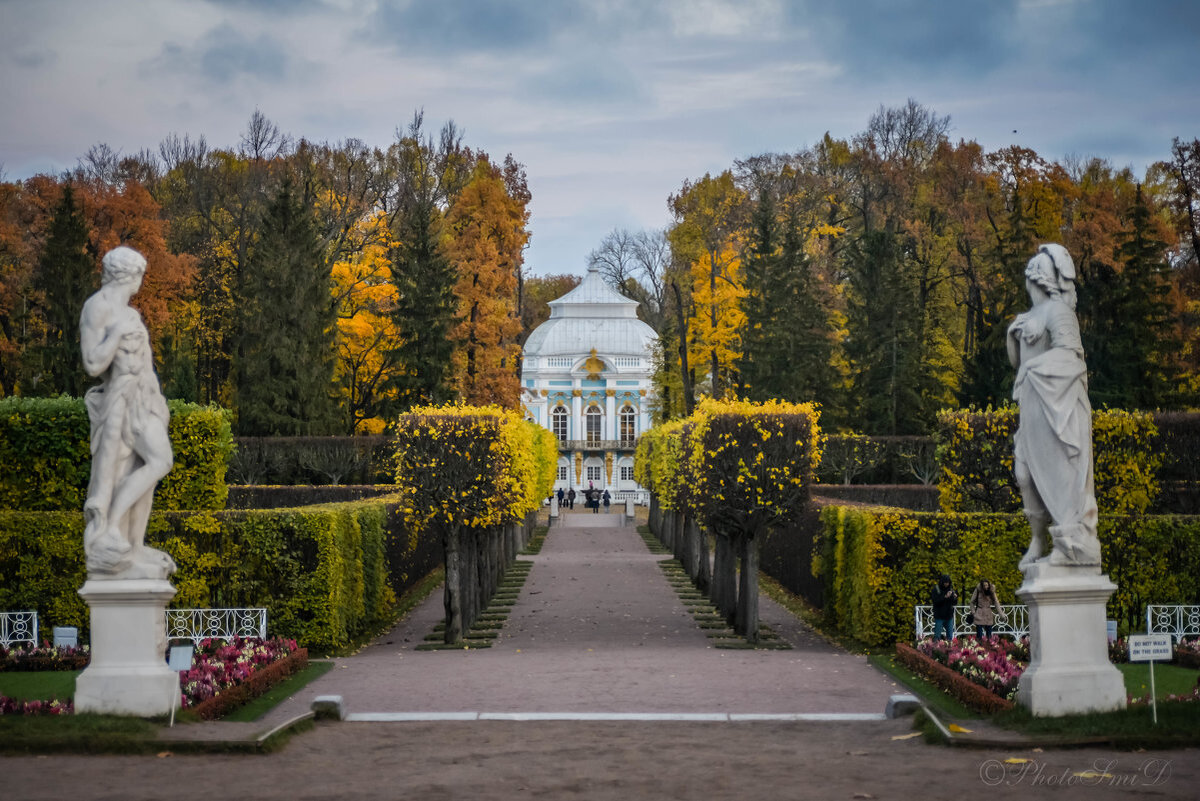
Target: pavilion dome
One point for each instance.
(591, 316)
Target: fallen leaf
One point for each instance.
(954, 727)
(1037, 750)
(1091, 774)
(863, 795)
(162, 754)
(1016, 761)
(906, 736)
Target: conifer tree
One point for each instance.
(286, 354)
(66, 276)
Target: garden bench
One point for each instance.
(200, 624)
(18, 627)
(1178, 620)
(1015, 619)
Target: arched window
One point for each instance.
(594, 424)
(558, 422)
(628, 421)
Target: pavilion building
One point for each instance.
(586, 376)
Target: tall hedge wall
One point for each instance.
(877, 564)
(975, 453)
(324, 573)
(45, 451)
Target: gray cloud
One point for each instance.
(453, 25)
(225, 53)
(910, 38)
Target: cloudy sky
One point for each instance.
(610, 104)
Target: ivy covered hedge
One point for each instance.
(322, 572)
(877, 564)
(45, 450)
(975, 453)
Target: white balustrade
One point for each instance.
(1012, 620)
(18, 627)
(225, 624)
(1178, 620)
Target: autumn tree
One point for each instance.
(486, 237)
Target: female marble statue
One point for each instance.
(130, 447)
(1053, 453)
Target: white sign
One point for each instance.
(1150, 648)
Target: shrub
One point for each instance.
(975, 452)
(44, 446)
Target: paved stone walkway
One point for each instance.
(597, 629)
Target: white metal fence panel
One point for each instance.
(1012, 620)
(18, 627)
(199, 624)
(1178, 620)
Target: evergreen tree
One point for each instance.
(66, 276)
(286, 355)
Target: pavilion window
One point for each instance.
(594, 424)
(628, 424)
(558, 423)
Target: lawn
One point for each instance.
(38, 685)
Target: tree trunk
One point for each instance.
(703, 571)
(677, 541)
(746, 623)
(724, 581)
(452, 555)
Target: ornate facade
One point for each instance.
(586, 376)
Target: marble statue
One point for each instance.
(1053, 448)
(131, 450)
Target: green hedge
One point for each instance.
(320, 571)
(975, 453)
(877, 564)
(44, 448)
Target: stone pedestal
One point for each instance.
(128, 674)
(1069, 672)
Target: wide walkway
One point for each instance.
(597, 629)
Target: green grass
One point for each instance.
(1178, 725)
(280, 692)
(81, 734)
(38, 685)
(407, 602)
(1168, 679)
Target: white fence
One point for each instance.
(18, 627)
(1177, 620)
(199, 624)
(1012, 620)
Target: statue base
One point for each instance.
(128, 673)
(1069, 671)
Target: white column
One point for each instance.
(577, 431)
(610, 414)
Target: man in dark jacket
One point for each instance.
(943, 598)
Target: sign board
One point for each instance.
(180, 658)
(1112, 631)
(1150, 648)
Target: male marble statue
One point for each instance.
(130, 447)
(1052, 457)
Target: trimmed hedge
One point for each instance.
(45, 450)
(877, 564)
(325, 574)
(975, 452)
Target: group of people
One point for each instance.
(592, 496)
(984, 608)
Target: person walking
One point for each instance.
(561, 495)
(571, 498)
(985, 606)
(943, 599)
(607, 501)
(593, 498)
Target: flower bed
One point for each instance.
(225, 675)
(961, 668)
(44, 657)
(15, 706)
(1187, 653)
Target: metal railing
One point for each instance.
(1012, 620)
(597, 444)
(18, 627)
(1178, 620)
(225, 624)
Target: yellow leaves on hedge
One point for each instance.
(473, 466)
